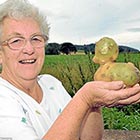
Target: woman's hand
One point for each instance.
(109, 94)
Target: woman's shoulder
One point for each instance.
(48, 79)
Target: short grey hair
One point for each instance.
(20, 9)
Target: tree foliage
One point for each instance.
(52, 48)
(67, 48)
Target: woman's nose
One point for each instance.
(28, 48)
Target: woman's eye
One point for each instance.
(37, 39)
(16, 40)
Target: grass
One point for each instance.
(72, 70)
(115, 119)
(76, 70)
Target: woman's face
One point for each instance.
(25, 63)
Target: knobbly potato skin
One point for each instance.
(125, 72)
(106, 52)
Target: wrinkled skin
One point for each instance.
(106, 52)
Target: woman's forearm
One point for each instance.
(92, 126)
(68, 124)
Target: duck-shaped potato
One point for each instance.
(106, 52)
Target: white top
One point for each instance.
(22, 118)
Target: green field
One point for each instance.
(75, 70)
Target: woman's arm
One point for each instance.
(68, 124)
(92, 126)
(93, 95)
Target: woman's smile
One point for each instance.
(27, 61)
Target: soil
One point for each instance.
(121, 135)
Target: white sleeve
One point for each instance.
(14, 125)
(66, 96)
(56, 89)
(55, 95)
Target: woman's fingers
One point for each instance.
(128, 92)
(125, 97)
(114, 85)
(109, 94)
(131, 100)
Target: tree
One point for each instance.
(52, 48)
(67, 48)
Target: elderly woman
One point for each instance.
(37, 107)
